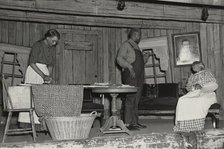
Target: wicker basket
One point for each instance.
(70, 128)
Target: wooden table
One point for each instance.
(114, 124)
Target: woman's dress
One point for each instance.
(193, 107)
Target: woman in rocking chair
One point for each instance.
(193, 107)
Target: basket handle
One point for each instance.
(93, 113)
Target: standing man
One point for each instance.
(132, 61)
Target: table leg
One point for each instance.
(114, 109)
(120, 127)
(113, 124)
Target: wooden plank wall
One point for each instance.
(211, 34)
(204, 2)
(69, 10)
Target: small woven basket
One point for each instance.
(71, 128)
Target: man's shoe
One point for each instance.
(131, 127)
(140, 126)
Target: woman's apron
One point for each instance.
(194, 105)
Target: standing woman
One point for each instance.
(41, 63)
(42, 59)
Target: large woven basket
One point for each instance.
(70, 128)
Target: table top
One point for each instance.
(104, 88)
(114, 89)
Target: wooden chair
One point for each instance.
(213, 113)
(9, 107)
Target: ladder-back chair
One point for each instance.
(9, 107)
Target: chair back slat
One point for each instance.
(7, 102)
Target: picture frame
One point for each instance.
(187, 48)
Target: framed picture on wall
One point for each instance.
(186, 48)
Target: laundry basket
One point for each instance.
(71, 128)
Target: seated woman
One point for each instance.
(193, 107)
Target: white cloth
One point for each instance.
(195, 104)
(32, 77)
(20, 96)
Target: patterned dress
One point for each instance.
(193, 107)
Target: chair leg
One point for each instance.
(214, 120)
(33, 125)
(7, 126)
(101, 119)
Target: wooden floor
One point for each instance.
(153, 126)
